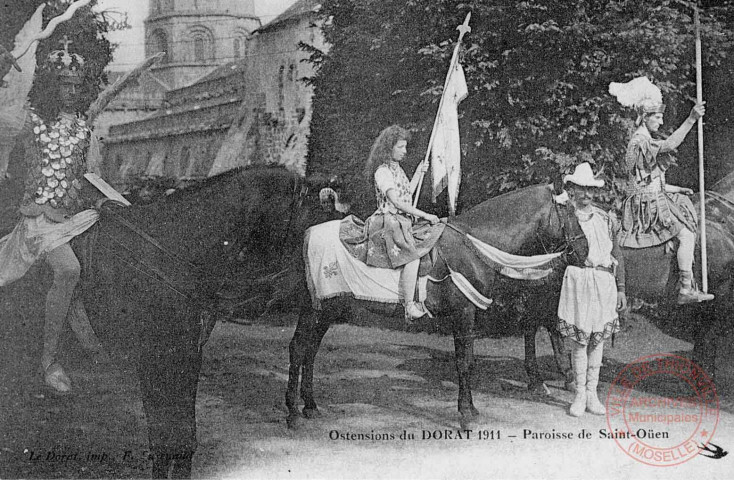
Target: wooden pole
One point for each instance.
(463, 30)
(701, 185)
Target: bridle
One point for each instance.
(568, 241)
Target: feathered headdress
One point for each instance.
(639, 93)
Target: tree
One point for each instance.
(537, 71)
(87, 30)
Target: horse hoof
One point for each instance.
(569, 386)
(294, 421)
(311, 413)
(474, 411)
(467, 422)
(539, 389)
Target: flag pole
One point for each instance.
(463, 30)
(701, 186)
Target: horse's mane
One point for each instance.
(276, 172)
(507, 196)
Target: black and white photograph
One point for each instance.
(366, 239)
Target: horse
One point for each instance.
(523, 222)
(651, 275)
(156, 273)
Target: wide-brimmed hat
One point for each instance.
(584, 177)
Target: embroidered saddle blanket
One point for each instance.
(331, 271)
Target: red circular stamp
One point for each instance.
(662, 409)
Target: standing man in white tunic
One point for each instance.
(592, 293)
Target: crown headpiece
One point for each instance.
(66, 65)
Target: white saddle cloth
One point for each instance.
(332, 271)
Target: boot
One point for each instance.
(688, 292)
(593, 405)
(413, 310)
(55, 378)
(579, 362)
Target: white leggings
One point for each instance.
(66, 271)
(687, 241)
(408, 279)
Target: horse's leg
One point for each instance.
(302, 347)
(169, 376)
(563, 361)
(535, 385)
(310, 409)
(464, 349)
(704, 350)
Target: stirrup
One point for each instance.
(693, 295)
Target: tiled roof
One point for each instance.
(297, 10)
(224, 71)
(167, 123)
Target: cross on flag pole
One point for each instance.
(444, 140)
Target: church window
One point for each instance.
(237, 48)
(116, 166)
(160, 44)
(201, 44)
(199, 47)
(291, 72)
(281, 82)
(185, 158)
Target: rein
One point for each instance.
(206, 317)
(568, 240)
(296, 205)
(151, 271)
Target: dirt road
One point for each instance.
(388, 401)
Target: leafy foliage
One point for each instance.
(537, 71)
(86, 29)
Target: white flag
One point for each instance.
(446, 149)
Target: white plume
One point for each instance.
(635, 91)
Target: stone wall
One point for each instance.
(253, 111)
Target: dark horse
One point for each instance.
(524, 222)
(156, 272)
(652, 274)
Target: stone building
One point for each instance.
(197, 36)
(256, 109)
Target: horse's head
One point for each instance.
(275, 209)
(564, 226)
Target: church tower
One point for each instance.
(197, 36)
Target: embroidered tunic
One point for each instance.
(388, 239)
(56, 167)
(52, 206)
(650, 216)
(387, 177)
(587, 310)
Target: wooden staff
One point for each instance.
(702, 196)
(463, 30)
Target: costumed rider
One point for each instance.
(655, 212)
(53, 212)
(393, 236)
(592, 293)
